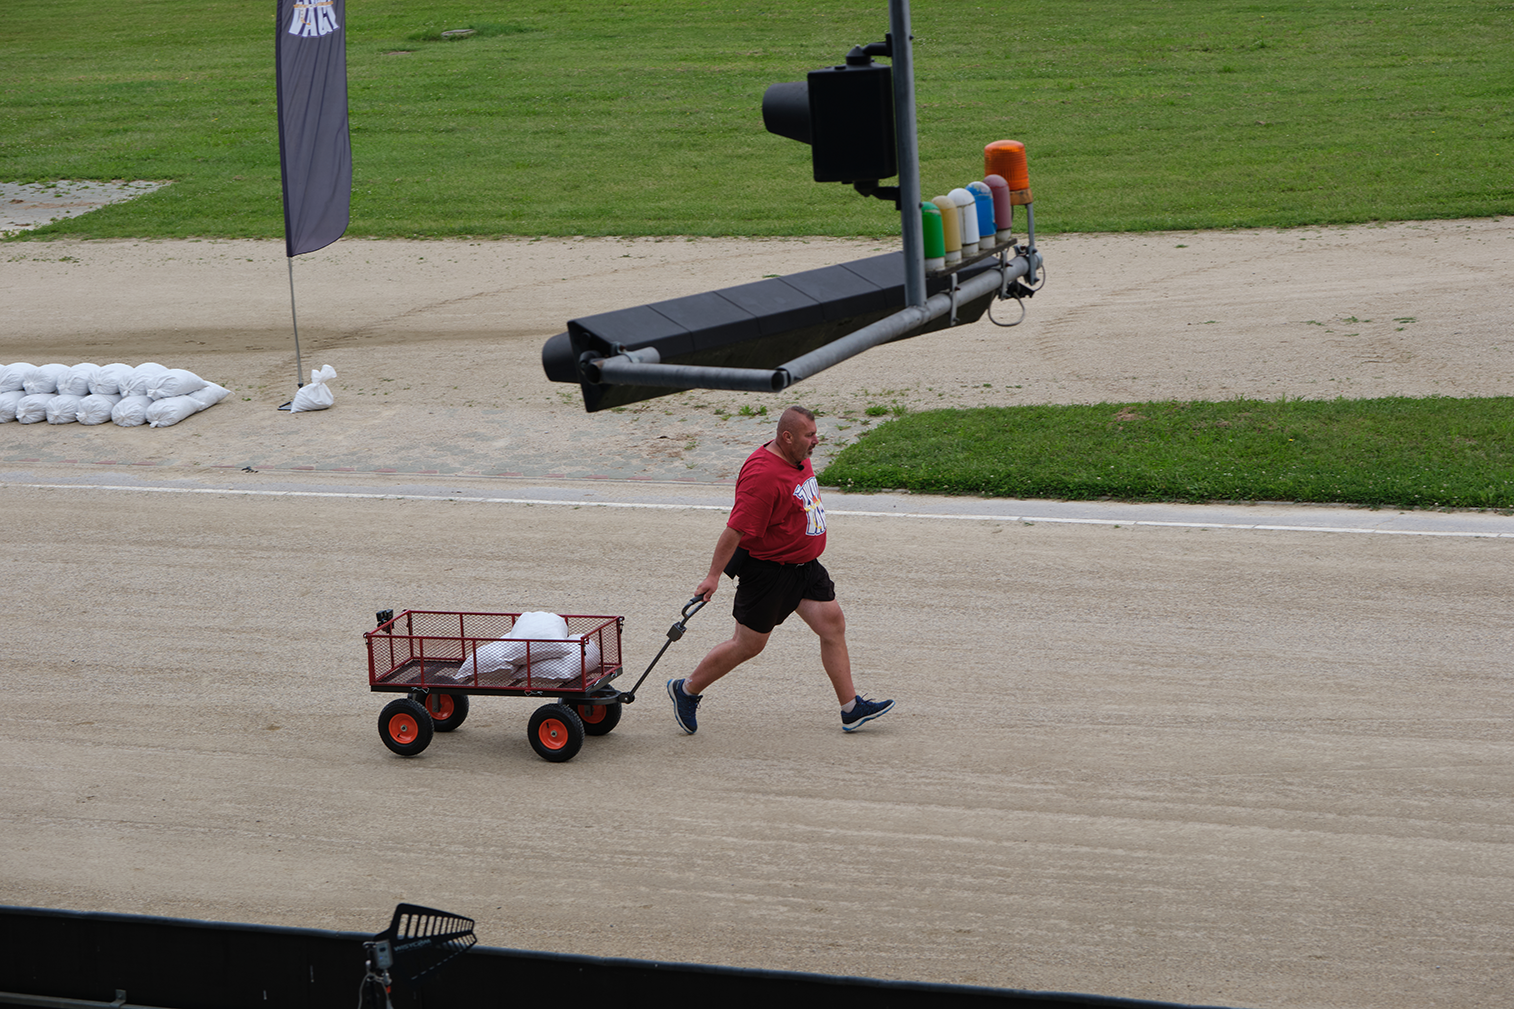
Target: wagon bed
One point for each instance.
(447, 650)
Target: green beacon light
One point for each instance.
(935, 238)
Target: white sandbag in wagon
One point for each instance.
(32, 408)
(539, 624)
(579, 658)
(63, 408)
(549, 661)
(538, 645)
(131, 411)
(548, 631)
(109, 379)
(44, 379)
(76, 382)
(95, 408)
(13, 375)
(136, 383)
(174, 382)
(493, 659)
(315, 396)
(8, 401)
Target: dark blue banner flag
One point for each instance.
(315, 152)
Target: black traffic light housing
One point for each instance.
(846, 114)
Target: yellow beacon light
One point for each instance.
(951, 227)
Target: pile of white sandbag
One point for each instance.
(538, 644)
(92, 394)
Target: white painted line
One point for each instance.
(248, 492)
(655, 506)
(1240, 526)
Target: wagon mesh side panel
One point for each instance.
(426, 648)
(604, 632)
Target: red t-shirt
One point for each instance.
(778, 511)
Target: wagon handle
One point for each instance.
(675, 632)
(690, 608)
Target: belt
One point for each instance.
(782, 564)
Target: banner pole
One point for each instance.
(299, 368)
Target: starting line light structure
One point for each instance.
(859, 119)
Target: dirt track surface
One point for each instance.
(1194, 762)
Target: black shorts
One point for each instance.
(767, 592)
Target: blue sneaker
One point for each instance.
(864, 711)
(684, 707)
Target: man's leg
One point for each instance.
(744, 644)
(827, 621)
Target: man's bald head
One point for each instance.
(796, 437)
(793, 419)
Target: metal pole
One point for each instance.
(902, 323)
(640, 368)
(299, 370)
(909, 153)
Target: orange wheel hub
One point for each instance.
(403, 729)
(553, 734)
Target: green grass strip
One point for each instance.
(1396, 452)
(644, 118)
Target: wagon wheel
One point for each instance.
(405, 727)
(447, 711)
(598, 719)
(556, 732)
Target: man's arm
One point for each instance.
(725, 547)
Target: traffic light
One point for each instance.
(846, 114)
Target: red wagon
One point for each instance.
(438, 659)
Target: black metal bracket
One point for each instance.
(870, 187)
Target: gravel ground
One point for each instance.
(1183, 755)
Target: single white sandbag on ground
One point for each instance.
(13, 375)
(174, 382)
(109, 379)
(76, 382)
(210, 395)
(44, 379)
(168, 412)
(172, 409)
(135, 384)
(32, 408)
(131, 411)
(95, 408)
(63, 408)
(8, 401)
(315, 396)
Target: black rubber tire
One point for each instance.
(405, 727)
(556, 733)
(447, 710)
(599, 719)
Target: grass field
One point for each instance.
(644, 117)
(1406, 453)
